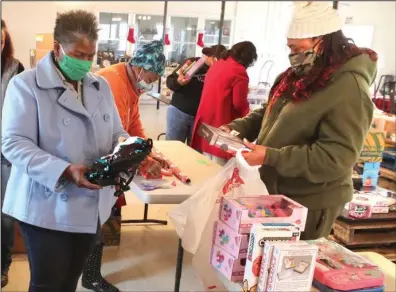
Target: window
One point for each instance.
(212, 30)
(149, 28)
(183, 37)
(113, 33)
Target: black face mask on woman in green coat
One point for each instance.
(313, 145)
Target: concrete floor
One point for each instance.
(146, 259)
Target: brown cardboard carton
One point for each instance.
(373, 146)
(216, 137)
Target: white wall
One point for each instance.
(266, 31)
(25, 19)
(264, 24)
(252, 22)
(381, 15)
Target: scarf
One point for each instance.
(302, 87)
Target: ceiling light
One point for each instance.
(116, 19)
(148, 17)
(144, 18)
(139, 17)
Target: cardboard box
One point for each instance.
(371, 166)
(361, 207)
(227, 142)
(231, 241)
(261, 233)
(292, 268)
(382, 200)
(232, 268)
(241, 213)
(370, 178)
(267, 257)
(111, 231)
(373, 147)
(384, 122)
(341, 269)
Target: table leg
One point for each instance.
(179, 266)
(145, 219)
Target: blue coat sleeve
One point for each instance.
(20, 136)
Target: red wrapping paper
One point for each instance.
(175, 170)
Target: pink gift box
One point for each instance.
(242, 212)
(342, 269)
(232, 268)
(231, 241)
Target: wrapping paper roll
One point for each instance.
(175, 170)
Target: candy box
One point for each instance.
(232, 242)
(242, 212)
(361, 207)
(382, 200)
(291, 267)
(229, 142)
(340, 269)
(260, 233)
(232, 268)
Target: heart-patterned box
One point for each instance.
(232, 268)
(231, 241)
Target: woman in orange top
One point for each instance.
(127, 82)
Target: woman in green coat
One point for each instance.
(310, 133)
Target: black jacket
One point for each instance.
(186, 98)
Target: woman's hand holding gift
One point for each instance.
(257, 154)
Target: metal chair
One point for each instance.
(160, 135)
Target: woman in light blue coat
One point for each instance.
(58, 118)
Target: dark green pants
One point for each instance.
(320, 222)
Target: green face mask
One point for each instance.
(74, 69)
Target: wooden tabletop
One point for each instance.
(193, 164)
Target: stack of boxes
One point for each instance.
(244, 225)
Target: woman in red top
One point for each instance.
(224, 96)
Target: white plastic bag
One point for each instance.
(198, 213)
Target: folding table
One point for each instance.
(193, 164)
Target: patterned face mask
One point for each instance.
(302, 62)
